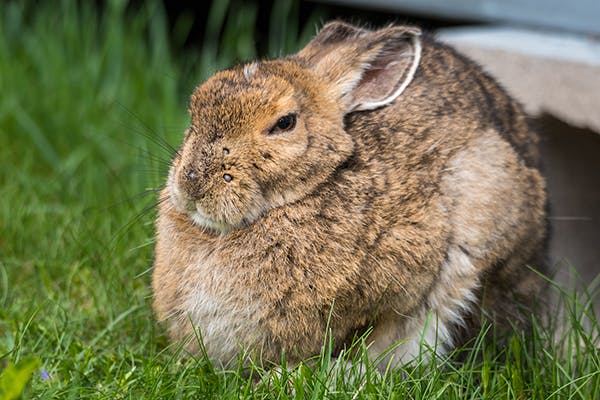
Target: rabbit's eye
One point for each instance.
(284, 124)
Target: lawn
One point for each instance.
(91, 103)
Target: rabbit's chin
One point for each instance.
(205, 222)
(185, 205)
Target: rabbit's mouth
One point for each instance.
(221, 213)
(202, 219)
(196, 214)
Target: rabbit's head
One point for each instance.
(268, 133)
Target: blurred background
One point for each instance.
(94, 95)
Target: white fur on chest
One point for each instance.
(226, 316)
(430, 326)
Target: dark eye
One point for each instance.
(284, 124)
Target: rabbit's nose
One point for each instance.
(190, 181)
(194, 172)
(190, 174)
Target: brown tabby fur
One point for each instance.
(430, 205)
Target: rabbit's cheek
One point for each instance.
(299, 148)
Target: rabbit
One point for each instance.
(375, 181)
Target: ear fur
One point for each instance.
(367, 69)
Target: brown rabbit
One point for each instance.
(374, 179)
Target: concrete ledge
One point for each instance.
(552, 45)
(553, 72)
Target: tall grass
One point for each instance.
(91, 103)
(84, 95)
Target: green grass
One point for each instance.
(88, 104)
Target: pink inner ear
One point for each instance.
(384, 75)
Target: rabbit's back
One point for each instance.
(457, 138)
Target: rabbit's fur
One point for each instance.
(406, 198)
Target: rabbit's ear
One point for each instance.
(335, 32)
(367, 69)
